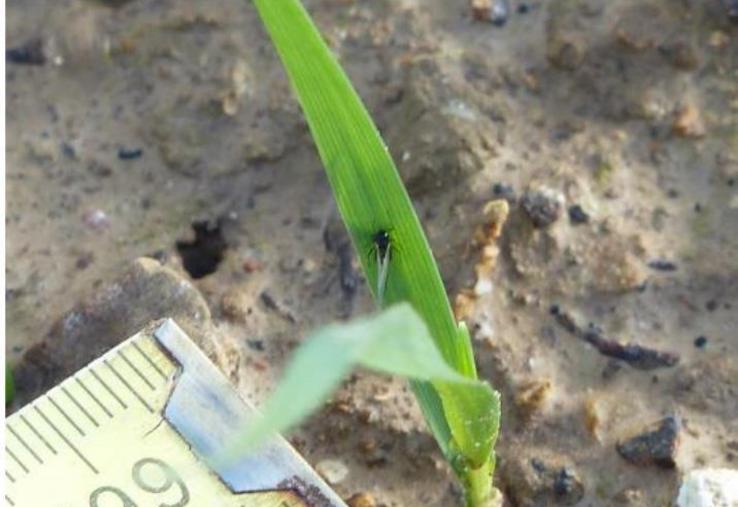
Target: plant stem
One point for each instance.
(479, 489)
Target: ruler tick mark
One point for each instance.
(103, 407)
(149, 360)
(25, 444)
(12, 455)
(66, 416)
(36, 432)
(65, 439)
(107, 388)
(9, 476)
(79, 406)
(129, 386)
(7, 499)
(138, 372)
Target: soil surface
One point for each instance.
(165, 130)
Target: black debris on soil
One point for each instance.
(567, 487)
(272, 304)
(257, 345)
(130, 154)
(637, 356)
(662, 265)
(577, 215)
(655, 447)
(561, 485)
(543, 207)
(504, 191)
(202, 256)
(700, 342)
(30, 53)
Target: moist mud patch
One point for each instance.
(201, 256)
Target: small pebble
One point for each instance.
(257, 345)
(504, 191)
(567, 485)
(657, 446)
(709, 487)
(688, 122)
(132, 154)
(84, 260)
(96, 219)
(361, 500)
(332, 470)
(662, 265)
(523, 8)
(577, 215)
(543, 206)
(700, 342)
(498, 12)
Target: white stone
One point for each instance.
(332, 470)
(709, 487)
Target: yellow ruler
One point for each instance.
(137, 427)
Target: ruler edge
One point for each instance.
(299, 467)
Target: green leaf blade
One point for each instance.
(325, 358)
(367, 186)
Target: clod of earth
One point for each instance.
(536, 481)
(543, 206)
(657, 447)
(637, 356)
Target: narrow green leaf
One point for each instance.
(395, 341)
(368, 189)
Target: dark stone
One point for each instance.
(662, 265)
(567, 487)
(655, 447)
(132, 154)
(700, 342)
(504, 191)
(543, 206)
(31, 53)
(257, 345)
(577, 215)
